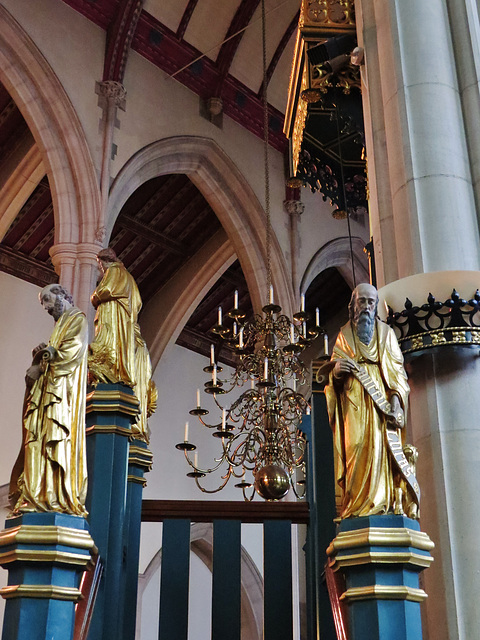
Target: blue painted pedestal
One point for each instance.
(111, 409)
(116, 466)
(45, 555)
(140, 460)
(381, 558)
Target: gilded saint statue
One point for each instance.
(118, 353)
(50, 473)
(118, 303)
(367, 398)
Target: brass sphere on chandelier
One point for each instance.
(272, 482)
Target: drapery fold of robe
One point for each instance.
(54, 476)
(362, 464)
(145, 389)
(118, 303)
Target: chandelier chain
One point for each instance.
(265, 130)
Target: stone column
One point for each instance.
(294, 207)
(112, 95)
(86, 277)
(418, 83)
(63, 257)
(76, 266)
(420, 175)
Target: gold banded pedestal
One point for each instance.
(45, 555)
(381, 558)
(111, 410)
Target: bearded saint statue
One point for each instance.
(50, 473)
(367, 403)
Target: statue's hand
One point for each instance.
(397, 413)
(33, 373)
(41, 346)
(343, 368)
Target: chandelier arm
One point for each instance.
(202, 470)
(298, 495)
(248, 498)
(219, 488)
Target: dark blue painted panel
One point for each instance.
(277, 565)
(226, 591)
(173, 623)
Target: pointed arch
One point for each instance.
(50, 115)
(236, 206)
(336, 253)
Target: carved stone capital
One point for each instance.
(113, 91)
(294, 207)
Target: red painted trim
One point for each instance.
(187, 14)
(159, 45)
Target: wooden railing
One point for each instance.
(227, 518)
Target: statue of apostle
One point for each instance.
(367, 402)
(118, 303)
(50, 473)
(118, 352)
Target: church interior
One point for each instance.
(238, 154)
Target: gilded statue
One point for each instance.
(118, 353)
(118, 303)
(145, 388)
(367, 398)
(50, 473)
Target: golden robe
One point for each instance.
(118, 303)
(54, 475)
(362, 462)
(145, 389)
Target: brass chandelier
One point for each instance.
(259, 433)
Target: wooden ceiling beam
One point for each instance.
(229, 48)
(187, 14)
(20, 174)
(161, 47)
(119, 39)
(280, 49)
(160, 239)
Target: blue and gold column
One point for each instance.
(381, 558)
(111, 410)
(140, 460)
(45, 555)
